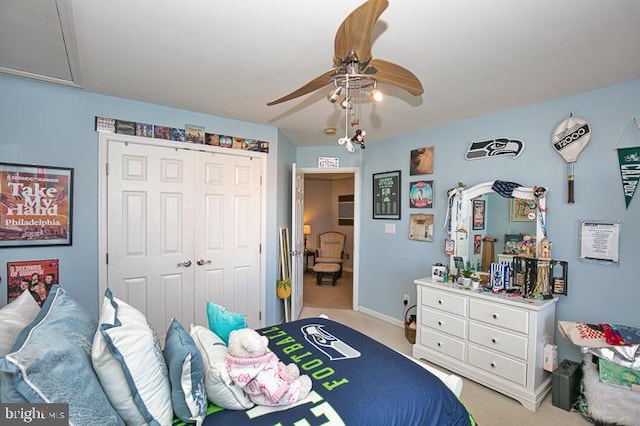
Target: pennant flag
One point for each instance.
(629, 159)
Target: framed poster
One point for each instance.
(599, 241)
(37, 276)
(421, 161)
(421, 227)
(35, 205)
(477, 243)
(421, 194)
(478, 214)
(386, 195)
(522, 210)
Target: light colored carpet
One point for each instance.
(339, 296)
(487, 406)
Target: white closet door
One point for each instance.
(183, 229)
(150, 231)
(227, 243)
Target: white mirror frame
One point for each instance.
(462, 215)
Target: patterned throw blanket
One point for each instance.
(599, 335)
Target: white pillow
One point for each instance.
(220, 388)
(128, 360)
(14, 317)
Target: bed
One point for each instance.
(356, 381)
(48, 353)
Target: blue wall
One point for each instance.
(53, 125)
(597, 293)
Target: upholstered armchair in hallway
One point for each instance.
(331, 249)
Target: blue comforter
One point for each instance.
(356, 381)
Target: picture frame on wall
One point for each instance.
(421, 227)
(37, 276)
(421, 194)
(521, 210)
(421, 161)
(386, 195)
(478, 214)
(36, 205)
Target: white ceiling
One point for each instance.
(229, 58)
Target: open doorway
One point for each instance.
(331, 204)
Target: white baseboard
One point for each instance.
(383, 317)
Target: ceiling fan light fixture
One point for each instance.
(334, 95)
(376, 95)
(345, 103)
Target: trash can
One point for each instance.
(565, 384)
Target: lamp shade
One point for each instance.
(306, 229)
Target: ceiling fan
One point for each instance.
(354, 66)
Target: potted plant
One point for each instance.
(475, 281)
(466, 277)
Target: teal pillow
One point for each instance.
(186, 374)
(223, 322)
(50, 362)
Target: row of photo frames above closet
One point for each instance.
(190, 134)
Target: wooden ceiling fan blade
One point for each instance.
(313, 85)
(355, 32)
(390, 73)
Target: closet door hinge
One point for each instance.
(106, 258)
(106, 167)
(260, 315)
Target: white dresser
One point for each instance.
(493, 339)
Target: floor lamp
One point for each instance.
(306, 230)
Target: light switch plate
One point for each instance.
(389, 228)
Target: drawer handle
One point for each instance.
(495, 316)
(493, 365)
(494, 340)
(439, 322)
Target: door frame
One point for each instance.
(103, 196)
(356, 220)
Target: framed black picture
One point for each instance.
(478, 215)
(35, 205)
(386, 195)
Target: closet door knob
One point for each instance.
(493, 340)
(493, 365)
(439, 322)
(495, 316)
(201, 262)
(186, 263)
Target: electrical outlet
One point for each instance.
(406, 299)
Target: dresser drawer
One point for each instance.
(440, 321)
(498, 364)
(495, 339)
(441, 343)
(444, 301)
(499, 315)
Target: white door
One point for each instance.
(228, 235)
(183, 229)
(150, 228)
(297, 245)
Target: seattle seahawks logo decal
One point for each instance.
(494, 148)
(327, 343)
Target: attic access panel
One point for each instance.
(42, 41)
